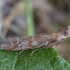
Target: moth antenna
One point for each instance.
(68, 32)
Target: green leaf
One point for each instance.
(37, 59)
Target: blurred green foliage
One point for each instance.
(29, 18)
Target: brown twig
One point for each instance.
(31, 42)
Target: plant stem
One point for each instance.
(29, 18)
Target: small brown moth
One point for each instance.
(31, 42)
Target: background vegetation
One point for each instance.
(29, 17)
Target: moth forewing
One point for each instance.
(31, 42)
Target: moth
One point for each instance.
(31, 42)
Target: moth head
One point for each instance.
(66, 31)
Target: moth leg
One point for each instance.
(21, 51)
(34, 51)
(46, 45)
(41, 45)
(56, 44)
(38, 47)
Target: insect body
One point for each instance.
(31, 42)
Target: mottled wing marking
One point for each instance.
(31, 42)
